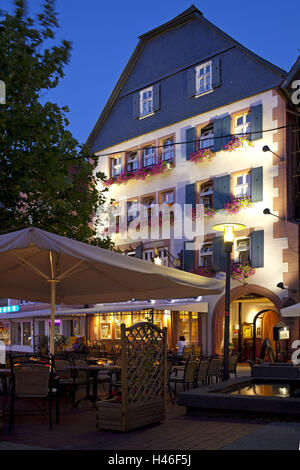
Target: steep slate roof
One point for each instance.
(293, 74)
(144, 39)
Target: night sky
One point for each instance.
(104, 35)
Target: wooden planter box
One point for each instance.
(109, 414)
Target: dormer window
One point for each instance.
(203, 78)
(146, 102)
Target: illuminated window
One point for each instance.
(149, 155)
(242, 250)
(167, 197)
(242, 186)
(207, 137)
(146, 101)
(203, 78)
(116, 166)
(132, 162)
(207, 194)
(167, 152)
(162, 253)
(206, 255)
(243, 124)
(132, 210)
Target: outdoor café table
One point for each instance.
(93, 371)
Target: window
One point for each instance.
(243, 124)
(146, 101)
(149, 156)
(242, 185)
(167, 152)
(207, 194)
(26, 334)
(162, 253)
(132, 211)
(116, 165)
(132, 162)
(242, 250)
(203, 78)
(207, 137)
(149, 202)
(116, 216)
(206, 255)
(16, 333)
(167, 198)
(41, 327)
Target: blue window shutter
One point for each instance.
(217, 135)
(139, 251)
(190, 137)
(226, 130)
(221, 191)
(191, 82)
(136, 106)
(190, 194)
(156, 97)
(257, 184)
(216, 72)
(257, 249)
(188, 259)
(256, 122)
(218, 254)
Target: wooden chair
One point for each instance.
(214, 370)
(201, 373)
(187, 379)
(232, 363)
(33, 379)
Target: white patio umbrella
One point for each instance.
(43, 267)
(291, 311)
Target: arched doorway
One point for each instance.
(217, 321)
(269, 320)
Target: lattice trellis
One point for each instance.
(143, 362)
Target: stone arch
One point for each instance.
(217, 320)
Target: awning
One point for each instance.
(291, 311)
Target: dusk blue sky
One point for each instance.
(104, 35)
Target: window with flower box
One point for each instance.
(242, 250)
(242, 185)
(205, 255)
(132, 162)
(207, 194)
(206, 137)
(149, 156)
(167, 153)
(116, 166)
(243, 124)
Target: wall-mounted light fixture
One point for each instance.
(268, 212)
(266, 148)
(280, 285)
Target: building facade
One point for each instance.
(198, 120)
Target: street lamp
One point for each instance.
(228, 230)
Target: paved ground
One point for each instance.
(77, 430)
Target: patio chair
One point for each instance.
(232, 365)
(187, 352)
(187, 379)
(197, 351)
(64, 373)
(34, 380)
(214, 370)
(201, 372)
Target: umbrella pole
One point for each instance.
(53, 283)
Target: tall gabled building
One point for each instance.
(187, 123)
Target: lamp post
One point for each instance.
(228, 230)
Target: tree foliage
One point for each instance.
(44, 178)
